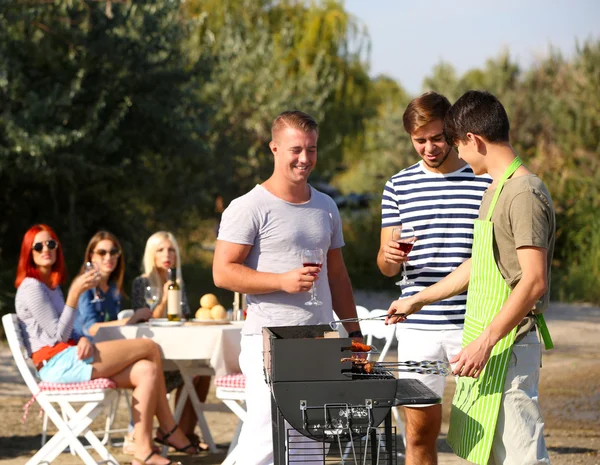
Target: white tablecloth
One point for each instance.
(217, 346)
(192, 349)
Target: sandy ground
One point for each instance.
(569, 396)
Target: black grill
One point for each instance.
(322, 397)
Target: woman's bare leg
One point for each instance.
(143, 376)
(188, 419)
(112, 357)
(119, 360)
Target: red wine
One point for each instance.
(318, 265)
(406, 247)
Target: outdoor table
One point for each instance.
(192, 349)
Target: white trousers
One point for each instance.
(255, 444)
(519, 435)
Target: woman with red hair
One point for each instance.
(47, 320)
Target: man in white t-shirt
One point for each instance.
(258, 253)
(439, 198)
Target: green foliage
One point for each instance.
(383, 148)
(267, 58)
(99, 128)
(134, 116)
(361, 233)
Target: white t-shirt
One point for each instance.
(278, 231)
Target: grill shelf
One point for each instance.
(366, 447)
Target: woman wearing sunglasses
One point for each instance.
(100, 306)
(162, 253)
(60, 355)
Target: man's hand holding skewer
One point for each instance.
(400, 309)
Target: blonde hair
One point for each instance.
(294, 119)
(149, 263)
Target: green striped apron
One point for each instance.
(476, 401)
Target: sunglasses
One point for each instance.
(112, 252)
(39, 246)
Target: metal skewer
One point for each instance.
(336, 323)
(424, 371)
(436, 364)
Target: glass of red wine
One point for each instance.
(313, 257)
(405, 238)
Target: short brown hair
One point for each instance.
(294, 119)
(423, 110)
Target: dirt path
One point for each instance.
(569, 396)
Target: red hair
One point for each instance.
(28, 269)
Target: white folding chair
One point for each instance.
(72, 423)
(231, 390)
(111, 415)
(127, 313)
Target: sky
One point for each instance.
(408, 38)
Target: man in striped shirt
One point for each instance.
(439, 198)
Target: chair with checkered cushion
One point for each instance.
(94, 397)
(92, 385)
(231, 390)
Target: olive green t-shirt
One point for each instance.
(524, 216)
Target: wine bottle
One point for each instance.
(173, 297)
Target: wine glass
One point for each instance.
(313, 257)
(151, 296)
(405, 238)
(89, 266)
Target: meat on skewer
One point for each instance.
(361, 364)
(356, 361)
(359, 347)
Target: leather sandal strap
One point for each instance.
(168, 435)
(145, 461)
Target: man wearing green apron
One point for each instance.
(495, 415)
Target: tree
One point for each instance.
(99, 127)
(267, 57)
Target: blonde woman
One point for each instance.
(161, 254)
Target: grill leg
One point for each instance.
(374, 444)
(278, 434)
(389, 438)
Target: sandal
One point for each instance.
(197, 442)
(165, 442)
(145, 461)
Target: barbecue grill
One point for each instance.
(329, 400)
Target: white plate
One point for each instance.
(210, 321)
(165, 322)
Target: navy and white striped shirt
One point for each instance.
(441, 208)
(44, 317)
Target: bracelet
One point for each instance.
(357, 333)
